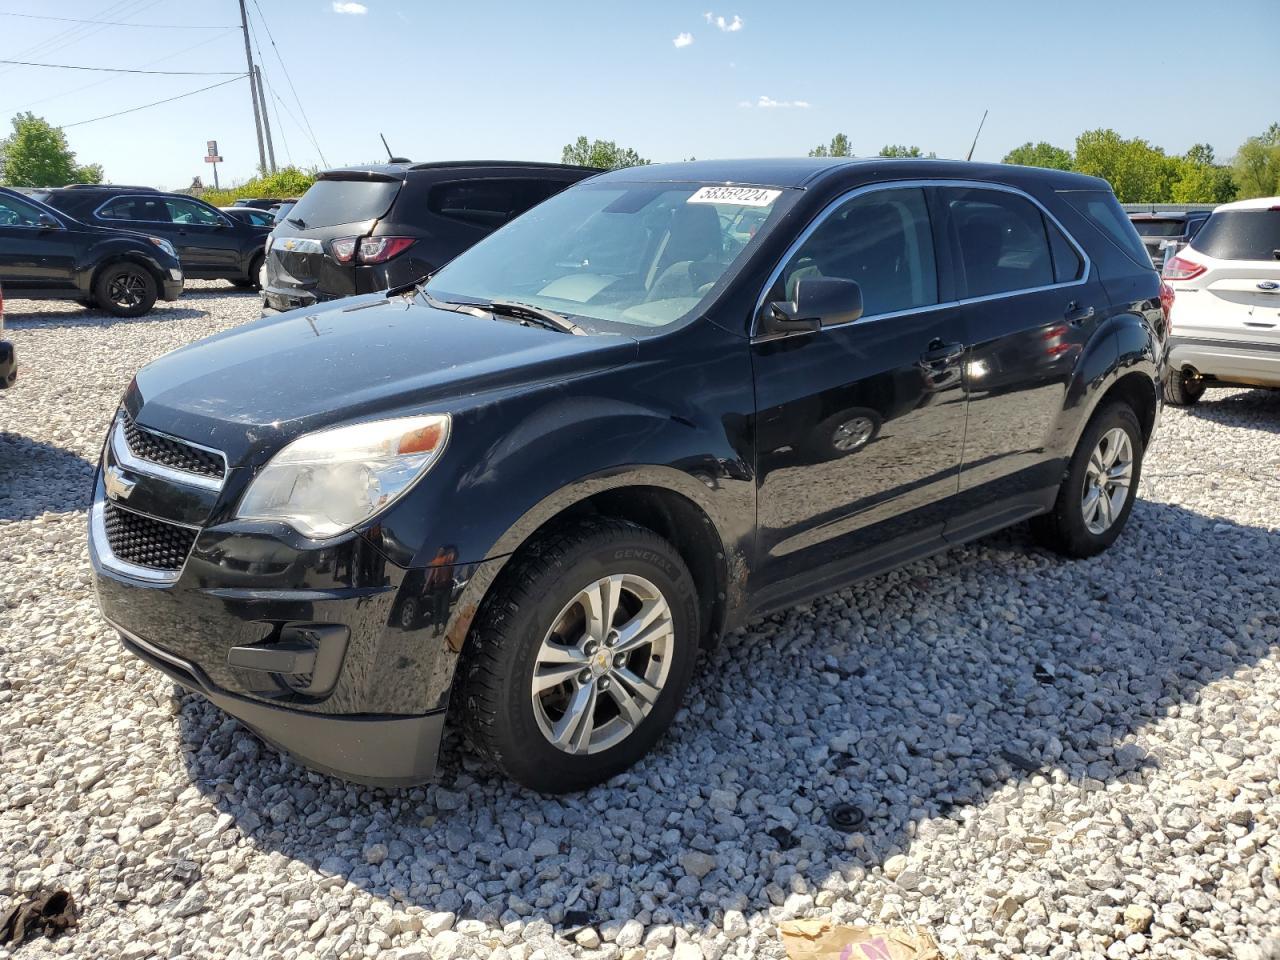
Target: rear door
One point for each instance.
(1030, 304)
(313, 248)
(35, 254)
(1238, 296)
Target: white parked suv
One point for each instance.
(1224, 322)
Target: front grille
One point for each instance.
(171, 453)
(145, 541)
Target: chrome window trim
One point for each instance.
(125, 457)
(921, 184)
(108, 559)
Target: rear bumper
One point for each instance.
(8, 364)
(1245, 362)
(380, 751)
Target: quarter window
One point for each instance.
(1067, 265)
(1002, 239)
(881, 239)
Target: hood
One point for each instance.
(250, 390)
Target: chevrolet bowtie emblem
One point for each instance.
(118, 485)
(288, 244)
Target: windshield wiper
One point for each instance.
(526, 312)
(419, 287)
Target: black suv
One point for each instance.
(45, 254)
(617, 428)
(210, 244)
(365, 229)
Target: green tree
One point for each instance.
(36, 155)
(902, 150)
(1257, 165)
(1137, 171)
(1201, 180)
(1040, 154)
(839, 148)
(600, 153)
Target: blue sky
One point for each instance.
(489, 79)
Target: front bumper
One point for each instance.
(171, 289)
(325, 648)
(8, 364)
(1243, 362)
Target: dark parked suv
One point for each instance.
(365, 229)
(614, 430)
(45, 254)
(210, 244)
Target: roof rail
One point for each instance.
(107, 186)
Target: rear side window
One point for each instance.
(144, 209)
(328, 203)
(488, 203)
(880, 239)
(1241, 235)
(1103, 210)
(1004, 246)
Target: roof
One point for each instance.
(801, 172)
(1257, 203)
(400, 171)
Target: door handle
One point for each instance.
(941, 353)
(1076, 314)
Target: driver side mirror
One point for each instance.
(48, 222)
(819, 302)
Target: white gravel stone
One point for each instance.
(1053, 758)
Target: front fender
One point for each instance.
(113, 249)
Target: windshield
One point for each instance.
(616, 257)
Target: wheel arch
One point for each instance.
(124, 256)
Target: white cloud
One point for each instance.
(768, 103)
(356, 8)
(683, 39)
(720, 23)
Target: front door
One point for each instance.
(36, 251)
(860, 426)
(205, 238)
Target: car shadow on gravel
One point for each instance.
(911, 697)
(1248, 409)
(91, 317)
(38, 478)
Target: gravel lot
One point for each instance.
(1062, 759)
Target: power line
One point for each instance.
(167, 73)
(311, 134)
(75, 34)
(156, 103)
(117, 23)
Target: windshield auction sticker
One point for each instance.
(742, 196)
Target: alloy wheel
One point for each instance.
(852, 434)
(1106, 481)
(603, 664)
(126, 290)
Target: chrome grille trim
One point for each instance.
(125, 456)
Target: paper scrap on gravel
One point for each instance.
(825, 940)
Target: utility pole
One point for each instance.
(253, 88)
(266, 117)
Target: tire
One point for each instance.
(125, 289)
(1181, 390)
(254, 280)
(536, 620)
(1071, 528)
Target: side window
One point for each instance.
(143, 209)
(185, 211)
(882, 240)
(18, 213)
(1002, 240)
(1067, 265)
(486, 203)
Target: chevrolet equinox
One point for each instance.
(665, 401)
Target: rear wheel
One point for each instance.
(1097, 493)
(580, 659)
(125, 290)
(1181, 390)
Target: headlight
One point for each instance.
(327, 482)
(164, 245)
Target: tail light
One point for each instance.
(1180, 268)
(382, 249)
(1166, 303)
(343, 250)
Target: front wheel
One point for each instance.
(125, 290)
(581, 658)
(1097, 493)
